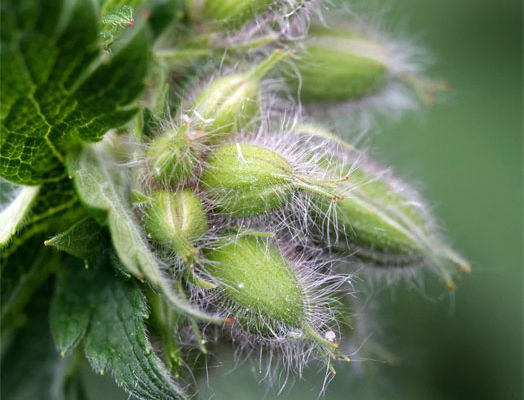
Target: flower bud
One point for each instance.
(267, 295)
(176, 220)
(385, 224)
(338, 66)
(171, 158)
(230, 103)
(248, 180)
(377, 223)
(228, 14)
(255, 275)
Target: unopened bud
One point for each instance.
(230, 103)
(176, 220)
(255, 275)
(338, 66)
(171, 158)
(377, 223)
(385, 224)
(266, 293)
(248, 180)
(228, 14)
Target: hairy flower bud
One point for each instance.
(171, 158)
(230, 103)
(338, 66)
(247, 180)
(373, 220)
(342, 66)
(384, 223)
(256, 276)
(175, 220)
(228, 14)
(266, 294)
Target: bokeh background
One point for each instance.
(467, 152)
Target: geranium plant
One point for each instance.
(179, 173)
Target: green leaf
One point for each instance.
(108, 312)
(117, 336)
(102, 184)
(31, 366)
(15, 204)
(86, 240)
(54, 210)
(25, 262)
(70, 307)
(57, 88)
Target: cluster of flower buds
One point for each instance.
(265, 219)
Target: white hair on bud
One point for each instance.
(304, 154)
(283, 22)
(148, 179)
(404, 59)
(278, 348)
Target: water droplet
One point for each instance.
(240, 285)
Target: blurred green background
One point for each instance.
(467, 153)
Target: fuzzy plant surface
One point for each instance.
(171, 182)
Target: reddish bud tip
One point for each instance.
(131, 23)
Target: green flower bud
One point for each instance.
(377, 222)
(338, 66)
(171, 158)
(264, 292)
(388, 227)
(255, 275)
(176, 220)
(247, 180)
(228, 14)
(230, 103)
